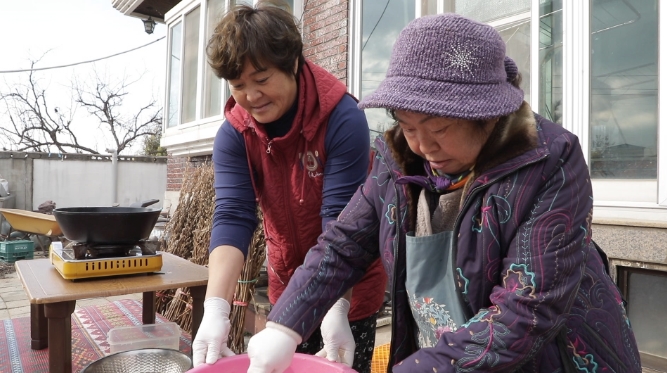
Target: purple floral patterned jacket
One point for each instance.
(536, 290)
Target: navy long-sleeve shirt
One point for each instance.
(347, 151)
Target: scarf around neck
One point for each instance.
(435, 182)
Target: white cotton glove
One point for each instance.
(272, 349)
(337, 336)
(210, 344)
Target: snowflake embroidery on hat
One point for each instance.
(461, 59)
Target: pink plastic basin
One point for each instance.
(301, 363)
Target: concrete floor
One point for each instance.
(13, 301)
(383, 335)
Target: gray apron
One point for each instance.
(431, 286)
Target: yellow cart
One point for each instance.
(32, 222)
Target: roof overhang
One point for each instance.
(145, 8)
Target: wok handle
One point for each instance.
(145, 203)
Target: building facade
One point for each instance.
(594, 66)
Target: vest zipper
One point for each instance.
(268, 145)
(288, 205)
(270, 239)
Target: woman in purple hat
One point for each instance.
(481, 212)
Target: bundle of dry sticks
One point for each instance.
(188, 235)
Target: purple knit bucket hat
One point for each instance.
(449, 66)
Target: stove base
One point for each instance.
(73, 269)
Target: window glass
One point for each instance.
(190, 66)
(551, 60)
(174, 74)
(429, 7)
(480, 10)
(517, 43)
(624, 89)
(213, 87)
(238, 2)
(646, 305)
(382, 21)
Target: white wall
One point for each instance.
(80, 183)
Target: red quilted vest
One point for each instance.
(288, 175)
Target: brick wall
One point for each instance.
(325, 34)
(177, 166)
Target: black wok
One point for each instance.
(106, 225)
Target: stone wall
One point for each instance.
(81, 179)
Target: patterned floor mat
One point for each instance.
(90, 326)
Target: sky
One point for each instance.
(62, 32)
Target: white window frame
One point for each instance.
(356, 27)
(576, 70)
(614, 200)
(168, 82)
(662, 102)
(196, 137)
(354, 48)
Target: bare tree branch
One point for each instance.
(104, 102)
(34, 123)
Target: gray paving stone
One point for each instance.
(17, 304)
(14, 295)
(13, 289)
(19, 312)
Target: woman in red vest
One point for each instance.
(295, 143)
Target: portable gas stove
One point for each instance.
(75, 260)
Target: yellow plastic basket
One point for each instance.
(380, 359)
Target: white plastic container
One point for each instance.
(127, 338)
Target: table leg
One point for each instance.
(197, 293)
(148, 308)
(39, 332)
(59, 317)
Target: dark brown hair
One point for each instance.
(266, 35)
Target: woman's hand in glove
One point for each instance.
(210, 344)
(272, 349)
(338, 340)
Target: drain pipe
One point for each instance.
(114, 176)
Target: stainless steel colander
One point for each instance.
(149, 360)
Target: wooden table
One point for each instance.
(52, 299)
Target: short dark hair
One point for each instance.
(266, 35)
